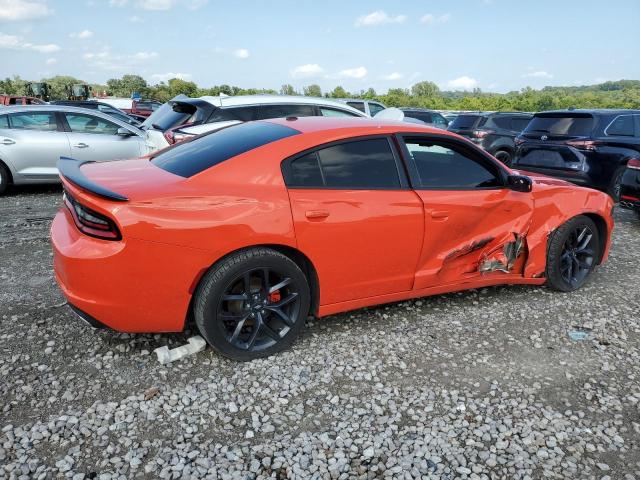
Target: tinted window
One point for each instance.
(334, 112)
(566, 124)
(465, 121)
(358, 105)
(243, 114)
(622, 125)
(290, 110)
(81, 123)
(375, 108)
(43, 121)
(147, 105)
(170, 115)
(4, 121)
(305, 172)
(438, 119)
(502, 122)
(194, 156)
(363, 164)
(519, 124)
(441, 166)
(424, 116)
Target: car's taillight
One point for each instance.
(634, 163)
(89, 222)
(519, 141)
(481, 133)
(583, 144)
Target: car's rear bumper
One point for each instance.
(630, 189)
(129, 285)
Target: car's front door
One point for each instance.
(474, 224)
(31, 142)
(95, 138)
(355, 218)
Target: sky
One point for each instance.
(495, 45)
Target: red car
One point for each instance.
(254, 227)
(8, 100)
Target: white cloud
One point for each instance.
(118, 3)
(430, 19)
(134, 19)
(537, 74)
(14, 42)
(160, 5)
(379, 17)
(165, 77)
(241, 53)
(51, 61)
(393, 76)
(110, 61)
(156, 4)
(358, 72)
(16, 10)
(307, 70)
(462, 83)
(84, 34)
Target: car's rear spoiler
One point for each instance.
(69, 168)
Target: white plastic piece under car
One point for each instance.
(196, 344)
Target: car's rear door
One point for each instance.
(355, 218)
(33, 143)
(474, 225)
(95, 138)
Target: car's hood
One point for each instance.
(540, 179)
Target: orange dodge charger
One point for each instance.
(252, 228)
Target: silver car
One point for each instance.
(33, 138)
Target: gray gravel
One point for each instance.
(479, 384)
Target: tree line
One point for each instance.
(613, 94)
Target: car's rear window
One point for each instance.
(573, 125)
(170, 115)
(466, 121)
(192, 157)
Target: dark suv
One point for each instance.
(430, 117)
(586, 147)
(495, 132)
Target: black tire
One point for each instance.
(504, 156)
(245, 325)
(614, 187)
(5, 178)
(570, 257)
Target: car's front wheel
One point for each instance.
(4, 178)
(252, 304)
(504, 156)
(572, 254)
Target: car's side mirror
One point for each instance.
(519, 183)
(124, 132)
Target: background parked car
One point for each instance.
(142, 108)
(368, 107)
(183, 117)
(586, 147)
(430, 117)
(495, 132)
(630, 186)
(101, 107)
(33, 138)
(7, 100)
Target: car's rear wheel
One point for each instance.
(252, 304)
(572, 254)
(4, 178)
(504, 156)
(616, 184)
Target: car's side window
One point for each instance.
(334, 112)
(357, 105)
(286, 110)
(4, 121)
(42, 121)
(443, 165)
(622, 125)
(366, 164)
(375, 108)
(243, 114)
(519, 124)
(438, 119)
(81, 123)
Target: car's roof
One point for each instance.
(362, 125)
(64, 108)
(416, 109)
(273, 99)
(602, 111)
(356, 100)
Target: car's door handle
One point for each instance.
(81, 145)
(442, 214)
(316, 214)
(8, 141)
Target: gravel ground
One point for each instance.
(479, 384)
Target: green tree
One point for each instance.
(127, 85)
(178, 86)
(425, 89)
(312, 91)
(60, 85)
(287, 89)
(339, 92)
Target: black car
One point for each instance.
(630, 186)
(429, 117)
(101, 107)
(586, 147)
(495, 132)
